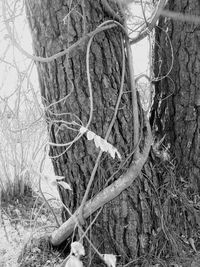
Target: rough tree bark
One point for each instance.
(125, 224)
(178, 95)
(177, 120)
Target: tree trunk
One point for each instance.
(124, 226)
(176, 118)
(178, 94)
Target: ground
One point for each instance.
(25, 224)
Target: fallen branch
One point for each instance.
(107, 194)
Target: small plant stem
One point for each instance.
(134, 93)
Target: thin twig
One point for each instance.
(156, 79)
(145, 31)
(55, 56)
(180, 16)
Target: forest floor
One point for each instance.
(25, 223)
(24, 226)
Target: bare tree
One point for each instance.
(83, 56)
(90, 87)
(21, 114)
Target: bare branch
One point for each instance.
(55, 56)
(180, 16)
(107, 194)
(145, 31)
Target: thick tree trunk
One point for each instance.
(176, 119)
(178, 94)
(124, 226)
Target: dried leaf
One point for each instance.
(97, 141)
(64, 185)
(118, 154)
(110, 260)
(77, 249)
(111, 150)
(83, 130)
(73, 262)
(104, 145)
(144, 90)
(101, 143)
(90, 135)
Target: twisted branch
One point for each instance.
(107, 194)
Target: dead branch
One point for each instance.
(55, 56)
(180, 16)
(147, 29)
(107, 194)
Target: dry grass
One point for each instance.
(25, 225)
